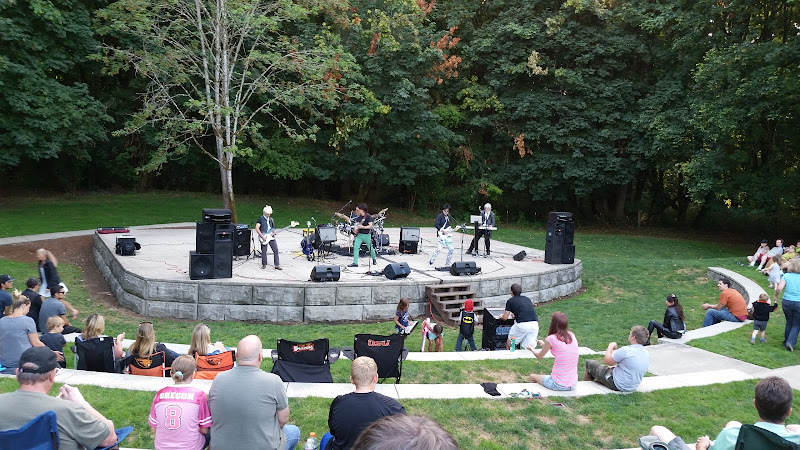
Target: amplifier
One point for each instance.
(495, 331)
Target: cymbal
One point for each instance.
(341, 216)
(383, 211)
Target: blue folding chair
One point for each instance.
(41, 433)
(122, 433)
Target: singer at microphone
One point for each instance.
(487, 220)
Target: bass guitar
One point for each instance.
(269, 237)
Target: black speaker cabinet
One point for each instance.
(409, 240)
(464, 268)
(241, 241)
(520, 256)
(201, 266)
(223, 251)
(495, 331)
(325, 273)
(568, 254)
(217, 215)
(126, 245)
(205, 237)
(396, 270)
(554, 242)
(381, 239)
(326, 234)
(409, 247)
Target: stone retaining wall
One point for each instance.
(307, 301)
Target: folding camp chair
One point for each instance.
(209, 366)
(304, 362)
(752, 437)
(387, 351)
(41, 433)
(96, 355)
(149, 366)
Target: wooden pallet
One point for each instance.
(448, 300)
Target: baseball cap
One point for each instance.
(4, 278)
(43, 357)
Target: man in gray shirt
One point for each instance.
(54, 306)
(249, 406)
(631, 363)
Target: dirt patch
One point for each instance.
(599, 434)
(500, 376)
(548, 419)
(583, 420)
(73, 250)
(701, 280)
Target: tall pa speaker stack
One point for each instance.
(559, 245)
(213, 257)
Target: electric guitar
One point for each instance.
(269, 237)
(446, 232)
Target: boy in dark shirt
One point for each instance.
(761, 310)
(53, 339)
(466, 326)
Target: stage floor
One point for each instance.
(156, 280)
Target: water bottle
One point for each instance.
(513, 343)
(311, 442)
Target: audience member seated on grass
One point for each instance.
(773, 401)
(762, 250)
(403, 431)
(6, 284)
(180, 416)
(777, 250)
(55, 306)
(95, 325)
(17, 334)
(562, 343)
(201, 342)
(790, 286)
(631, 363)
(79, 425)
(36, 299)
(53, 339)
(145, 344)
(790, 252)
(731, 306)
(351, 413)
(673, 326)
(249, 406)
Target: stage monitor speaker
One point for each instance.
(241, 240)
(408, 247)
(325, 273)
(568, 254)
(217, 215)
(520, 256)
(464, 268)
(325, 234)
(201, 266)
(205, 237)
(396, 270)
(223, 252)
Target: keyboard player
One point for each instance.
(483, 228)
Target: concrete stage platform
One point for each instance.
(155, 282)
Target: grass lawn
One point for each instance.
(627, 277)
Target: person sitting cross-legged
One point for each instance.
(351, 413)
(773, 401)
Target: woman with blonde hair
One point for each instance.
(145, 344)
(201, 342)
(790, 286)
(18, 333)
(180, 416)
(95, 325)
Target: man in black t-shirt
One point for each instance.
(35, 298)
(351, 413)
(526, 321)
(363, 229)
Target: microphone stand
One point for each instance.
(340, 210)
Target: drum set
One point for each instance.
(347, 227)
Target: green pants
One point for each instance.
(361, 237)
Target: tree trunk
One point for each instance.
(226, 176)
(619, 207)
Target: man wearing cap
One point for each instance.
(6, 284)
(79, 425)
(54, 306)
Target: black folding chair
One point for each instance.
(97, 355)
(387, 351)
(304, 362)
(752, 437)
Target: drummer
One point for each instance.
(362, 232)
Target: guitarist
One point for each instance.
(443, 234)
(362, 231)
(487, 220)
(266, 235)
